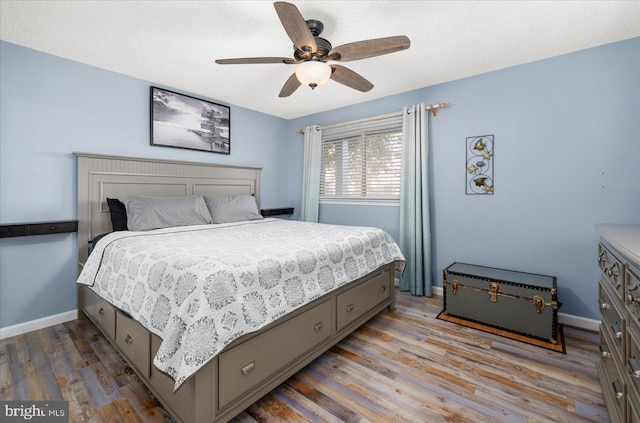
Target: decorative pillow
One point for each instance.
(118, 214)
(146, 213)
(232, 208)
(94, 241)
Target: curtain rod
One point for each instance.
(433, 108)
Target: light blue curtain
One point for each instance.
(311, 173)
(415, 234)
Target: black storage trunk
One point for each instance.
(521, 303)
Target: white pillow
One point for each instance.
(146, 213)
(232, 208)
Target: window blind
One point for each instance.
(362, 160)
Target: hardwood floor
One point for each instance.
(404, 366)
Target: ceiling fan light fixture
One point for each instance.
(313, 73)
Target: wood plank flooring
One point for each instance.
(404, 366)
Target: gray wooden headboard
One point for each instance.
(101, 177)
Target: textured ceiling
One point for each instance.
(175, 43)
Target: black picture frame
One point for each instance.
(182, 121)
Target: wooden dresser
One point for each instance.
(619, 302)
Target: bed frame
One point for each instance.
(256, 363)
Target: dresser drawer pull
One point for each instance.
(612, 273)
(383, 288)
(349, 308)
(101, 311)
(603, 353)
(317, 327)
(616, 330)
(128, 340)
(247, 369)
(602, 258)
(635, 367)
(603, 304)
(630, 297)
(617, 388)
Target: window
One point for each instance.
(361, 161)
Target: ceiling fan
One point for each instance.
(311, 53)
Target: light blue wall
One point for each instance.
(567, 135)
(51, 107)
(567, 155)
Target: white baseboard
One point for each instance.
(32, 325)
(579, 322)
(563, 318)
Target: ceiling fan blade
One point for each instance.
(370, 48)
(295, 26)
(290, 86)
(254, 60)
(350, 78)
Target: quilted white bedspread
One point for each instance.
(201, 287)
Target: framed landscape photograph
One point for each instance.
(182, 121)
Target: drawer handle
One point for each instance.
(128, 340)
(617, 388)
(602, 258)
(632, 299)
(101, 311)
(616, 330)
(349, 308)
(603, 304)
(611, 273)
(635, 367)
(248, 368)
(603, 353)
(383, 288)
(52, 228)
(317, 327)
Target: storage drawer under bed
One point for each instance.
(100, 311)
(134, 341)
(245, 366)
(357, 301)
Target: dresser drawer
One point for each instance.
(612, 269)
(612, 321)
(633, 416)
(355, 302)
(632, 364)
(612, 381)
(247, 365)
(632, 298)
(133, 340)
(101, 312)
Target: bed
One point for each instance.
(231, 372)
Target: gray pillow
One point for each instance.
(232, 208)
(146, 213)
